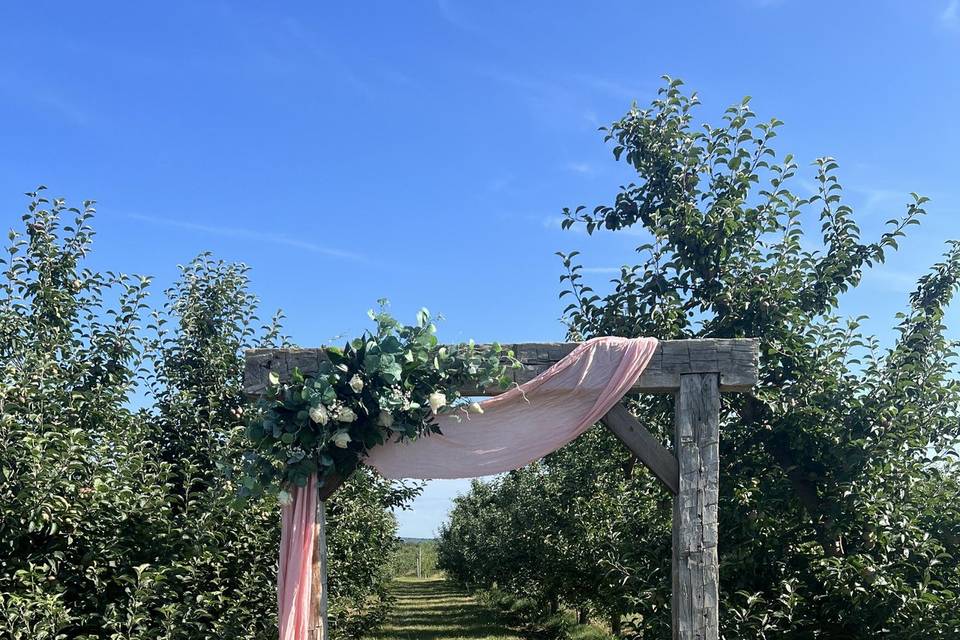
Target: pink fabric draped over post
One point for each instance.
(517, 427)
(527, 422)
(297, 528)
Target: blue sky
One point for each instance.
(422, 151)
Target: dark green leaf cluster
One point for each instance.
(389, 384)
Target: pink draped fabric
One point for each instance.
(525, 423)
(515, 428)
(296, 548)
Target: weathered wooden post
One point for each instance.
(319, 624)
(695, 570)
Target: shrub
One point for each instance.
(121, 522)
(556, 627)
(588, 632)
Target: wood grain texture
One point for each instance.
(642, 444)
(734, 360)
(319, 627)
(695, 564)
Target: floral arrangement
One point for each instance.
(390, 383)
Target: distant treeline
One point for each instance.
(415, 557)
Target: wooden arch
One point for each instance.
(696, 372)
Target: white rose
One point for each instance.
(385, 419)
(437, 400)
(356, 383)
(346, 414)
(319, 415)
(474, 407)
(341, 439)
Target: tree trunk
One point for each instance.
(615, 624)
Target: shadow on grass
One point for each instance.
(434, 609)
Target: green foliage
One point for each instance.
(434, 609)
(361, 539)
(558, 625)
(839, 515)
(409, 553)
(534, 619)
(587, 632)
(117, 522)
(389, 383)
(563, 529)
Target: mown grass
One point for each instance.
(434, 609)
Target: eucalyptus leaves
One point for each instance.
(390, 383)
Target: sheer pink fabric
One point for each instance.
(525, 423)
(515, 428)
(296, 548)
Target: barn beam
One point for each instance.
(644, 446)
(734, 360)
(695, 565)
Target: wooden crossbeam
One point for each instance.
(642, 444)
(733, 359)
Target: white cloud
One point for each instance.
(43, 98)
(614, 88)
(607, 270)
(886, 199)
(890, 279)
(453, 13)
(554, 223)
(250, 234)
(579, 167)
(557, 102)
(950, 17)
(327, 55)
(500, 183)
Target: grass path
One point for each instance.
(434, 609)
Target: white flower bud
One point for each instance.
(385, 419)
(356, 383)
(474, 407)
(346, 414)
(341, 439)
(437, 400)
(319, 415)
